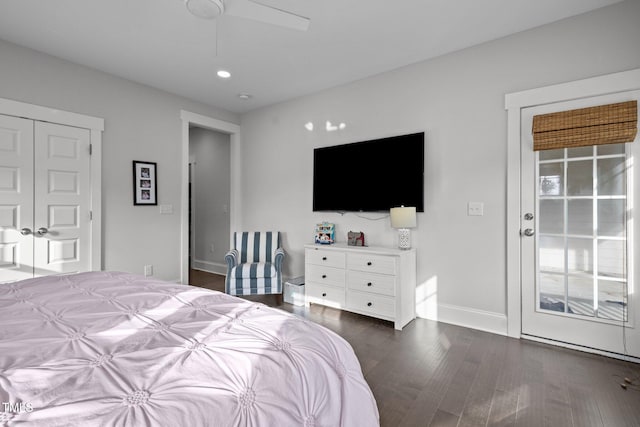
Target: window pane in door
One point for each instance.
(580, 219)
(611, 258)
(579, 256)
(551, 154)
(551, 253)
(611, 177)
(608, 149)
(580, 178)
(580, 152)
(551, 216)
(611, 218)
(551, 179)
(551, 292)
(581, 296)
(612, 300)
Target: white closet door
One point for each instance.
(16, 198)
(62, 194)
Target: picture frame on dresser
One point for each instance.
(372, 281)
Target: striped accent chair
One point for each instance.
(254, 265)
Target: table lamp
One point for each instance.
(403, 218)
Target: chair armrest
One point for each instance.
(231, 258)
(278, 258)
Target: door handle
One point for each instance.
(25, 231)
(528, 232)
(42, 231)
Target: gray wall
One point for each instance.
(141, 123)
(458, 100)
(211, 195)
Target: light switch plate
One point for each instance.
(166, 209)
(475, 209)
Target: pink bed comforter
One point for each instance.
(115, 349)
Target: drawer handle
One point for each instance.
(369, 304)
(324, 294)
(369, 263)
(324, 276)
(324, 258)
(369, 284)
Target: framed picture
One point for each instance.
(325, 233)
(145, 187)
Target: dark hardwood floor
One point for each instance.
(435, 374)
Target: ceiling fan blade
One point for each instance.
(268, 14)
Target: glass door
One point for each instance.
(577, 241)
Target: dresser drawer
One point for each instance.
(371, 282)
(325, 257)
(325, 295)
(325, 275)
(372, 263)
(376, 305)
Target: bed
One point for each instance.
(116, 349)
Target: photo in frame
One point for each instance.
(325, 233)
(145, 187)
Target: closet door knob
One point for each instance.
(42, 231)
(25, 231)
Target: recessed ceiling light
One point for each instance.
(206, 9)
(224, 74)
(244, 96)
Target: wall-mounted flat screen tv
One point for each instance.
(370, 176)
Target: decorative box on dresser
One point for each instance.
(374, 281)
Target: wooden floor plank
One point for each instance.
(479, 401)
(504, 406)
(444, 419)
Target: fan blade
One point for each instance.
(268, 14)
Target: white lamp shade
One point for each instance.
(403, 217)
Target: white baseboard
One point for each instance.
(624, 357)
(210, 267)
(487, 321)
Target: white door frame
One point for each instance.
(233, 130)
(95, 125)
(514, 103)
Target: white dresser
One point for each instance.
(374, 281)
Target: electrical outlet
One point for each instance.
(148, 270)
(475, 209)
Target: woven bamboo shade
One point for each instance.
(605, 124)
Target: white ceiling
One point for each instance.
(159, 43)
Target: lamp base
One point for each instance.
(404, 238)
